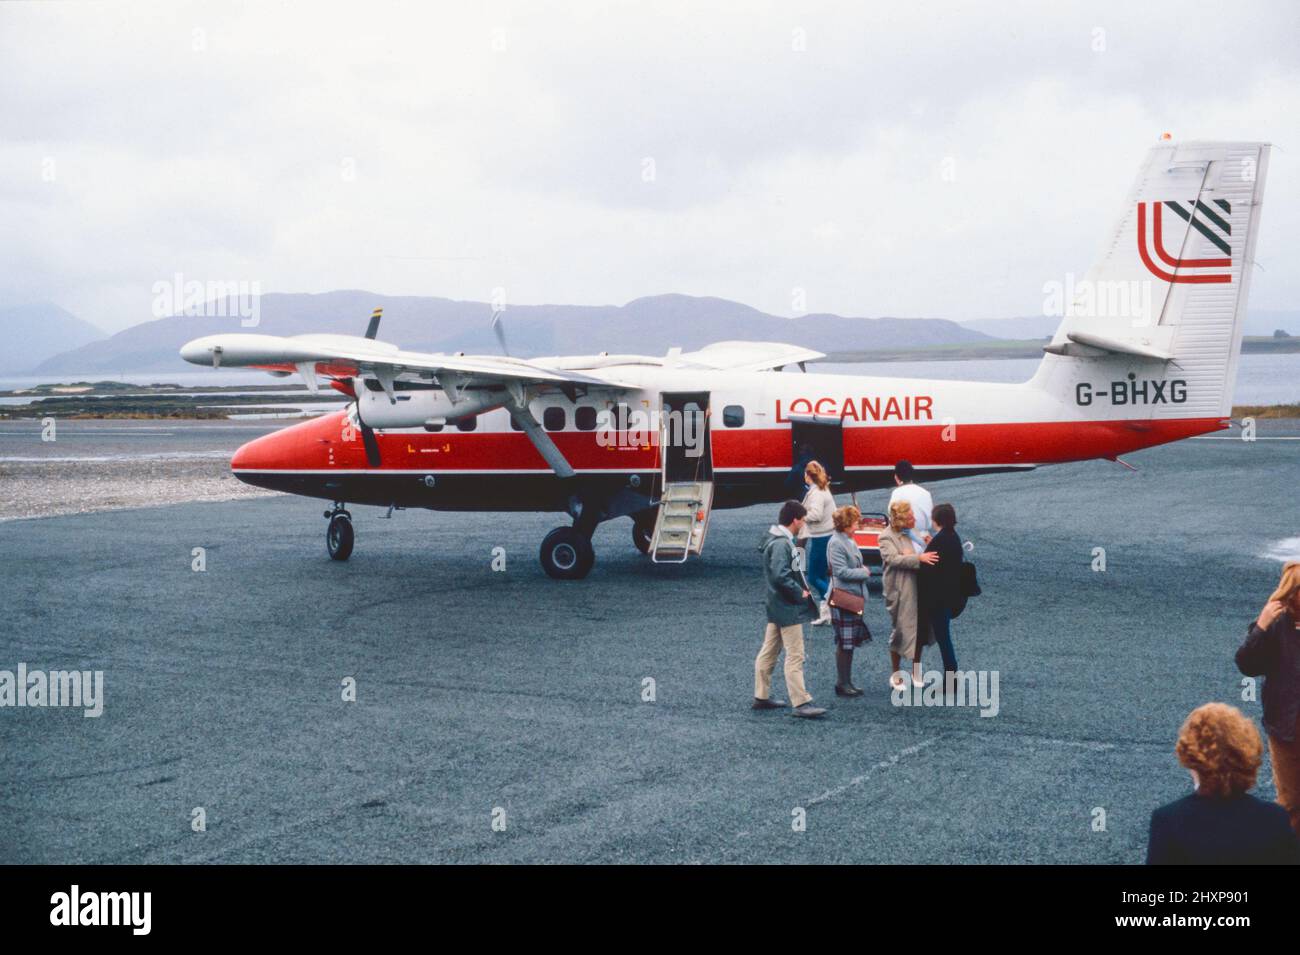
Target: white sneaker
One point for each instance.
(825, 617)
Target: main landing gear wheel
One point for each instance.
(567, 554)
(339, 537)
(643, 531)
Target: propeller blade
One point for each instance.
(498, 328)
(372, 446)
(373, 328)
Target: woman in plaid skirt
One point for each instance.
(847, 573)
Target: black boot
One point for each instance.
(844, 667)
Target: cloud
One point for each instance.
(412, 150)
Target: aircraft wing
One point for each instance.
(749, 356)
(348, 355)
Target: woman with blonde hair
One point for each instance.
(1220, 823)
(900, 563)
(848, 597)
(818, 526)
(1272, 650)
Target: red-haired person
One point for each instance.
(850, 575)
(1220, 823)
(1272, 650)
(818, 526)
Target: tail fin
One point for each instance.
(1154, 330)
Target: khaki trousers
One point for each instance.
(1286, 776)
(774, 639)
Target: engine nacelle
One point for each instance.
(414, 409)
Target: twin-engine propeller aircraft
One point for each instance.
(1146, 354)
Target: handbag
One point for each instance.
(846, 600)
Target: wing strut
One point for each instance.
(523, 417)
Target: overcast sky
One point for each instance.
(453, 148)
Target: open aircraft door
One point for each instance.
(686, 479)
(818, 439)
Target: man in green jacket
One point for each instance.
(789, 606)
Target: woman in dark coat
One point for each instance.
(940, 584)
(1272, 650)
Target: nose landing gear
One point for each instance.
(338, 535)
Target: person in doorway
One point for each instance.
(789, 606)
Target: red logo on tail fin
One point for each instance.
(1211, 223)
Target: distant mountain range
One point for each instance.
(1261, 322)
(645, 326)
(45, 340)
(34, 333)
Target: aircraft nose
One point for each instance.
(257, 455)
(242, 459)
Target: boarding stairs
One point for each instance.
(683, 521)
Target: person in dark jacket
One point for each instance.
(1221, 823)
(940, 584)
(789, 607)
(1272, 650)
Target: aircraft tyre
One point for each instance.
(643, 529)
(339, 537)
(567, 554)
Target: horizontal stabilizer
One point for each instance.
(1115, 346)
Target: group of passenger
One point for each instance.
(815, 574)
(921, 563)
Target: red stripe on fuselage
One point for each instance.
(324, 443)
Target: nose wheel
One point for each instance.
(338, 535)
(567, 554)
(643, 530)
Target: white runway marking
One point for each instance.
(887, 763)
(1222, 437)
(1286, 549)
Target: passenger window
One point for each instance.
(553, 419)
(584, 418)
(733, 416)
(468, 423)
